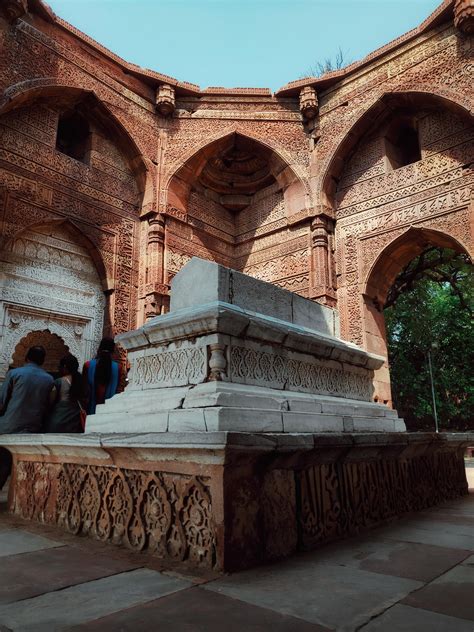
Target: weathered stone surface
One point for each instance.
(15, 542)
(178, 361)
(230, 500)
(98, 598)
(318, 206)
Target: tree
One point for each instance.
(429, 308)
(328, 65)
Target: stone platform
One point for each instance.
(247, 432)
(228, 501)
(238, 354)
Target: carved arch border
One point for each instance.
(295, 173)
(28, 92)
(332, 166)
(105, 277)
(394, 255)
(38, 321)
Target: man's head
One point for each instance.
(36, 355)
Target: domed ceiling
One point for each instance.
(237, 171)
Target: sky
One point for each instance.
(241, 43)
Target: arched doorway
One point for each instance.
(390, 263)
(54, 345)
(49, 284)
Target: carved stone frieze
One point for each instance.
(168, 515)
(177, 367)
(337, 499)
(251, 366)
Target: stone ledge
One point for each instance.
(212, 441)
(235, 321)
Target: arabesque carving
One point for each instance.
(342, 498)
(168, 515)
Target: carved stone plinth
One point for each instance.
(228, 501)
(235, 353)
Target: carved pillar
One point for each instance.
(464, 16)
(13, 9)
(156, 292)
(217, 363)
(165, 100)
(322, 260)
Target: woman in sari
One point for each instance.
(101, 376)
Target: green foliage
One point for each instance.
(433, 313)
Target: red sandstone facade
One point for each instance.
(112, 177)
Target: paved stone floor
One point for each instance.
(416, 574)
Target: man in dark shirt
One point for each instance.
(24, 399)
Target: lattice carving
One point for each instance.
(169, 515)
(253, 366)
(182, 366)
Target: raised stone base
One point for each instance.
(230, 500)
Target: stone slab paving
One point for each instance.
(25, 576)
(333, 596)
(402, 618)
(451, 594)
(415, 575)
(15, 542)
(421, 562)
(199, 610)
(61, 609)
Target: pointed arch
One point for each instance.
(79, 237)
(398, 253)
(28, 92)
(375, 287)
(374, 116)
(181, 175)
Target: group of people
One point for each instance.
(31, 400)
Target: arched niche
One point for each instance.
(70, 100)
(235, 191)
(390, 262)
(50, 282)
(261, 166)
(390, 111)
(55, 347)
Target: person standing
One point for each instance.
(24, 399)
(65, 415)
(101, 375)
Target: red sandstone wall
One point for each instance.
(375, 205)
(144, 230)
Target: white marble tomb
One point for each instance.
(238, 354)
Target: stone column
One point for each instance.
(322, 260)
(156, 292)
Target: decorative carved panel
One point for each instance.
(169, 515)
(341, 498)
(250, 366)
(50, 283)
